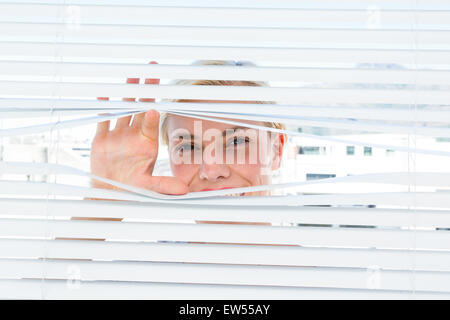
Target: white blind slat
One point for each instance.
(282, 94)
(213, 274)
(418, 77)
(400, 199)
(186, 211)
(14, 107)
(284, 4)
(242, 52)
(433, 39)
(376, 71)
(58, 289)
(308, 236)
(216, 16)
(227, 254)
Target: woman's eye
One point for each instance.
(185, 148)
(239, 140)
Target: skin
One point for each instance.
(214, 172)
(127, 153)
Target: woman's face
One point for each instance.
(209, 155)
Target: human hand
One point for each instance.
(128, 153)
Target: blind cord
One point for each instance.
(412, 156)
(57, 55)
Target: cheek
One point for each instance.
(257, 153)
(253, 173)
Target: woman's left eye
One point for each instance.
(239, 140)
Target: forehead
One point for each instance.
(175, 122)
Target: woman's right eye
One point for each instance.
(188, 147)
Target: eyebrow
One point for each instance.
(192, 137)
(234, 129)
(182, 136)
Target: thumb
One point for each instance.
(163, 184)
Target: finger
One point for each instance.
(150, 125)
(102, 127)
(123, 122)
(166, 185)
(135, 81)
(150, 81)
(137, 120)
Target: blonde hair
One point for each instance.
(163, 128)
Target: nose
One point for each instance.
(213, 168)
(214, 172)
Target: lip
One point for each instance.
(213, 189)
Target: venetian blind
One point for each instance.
(362, 209)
